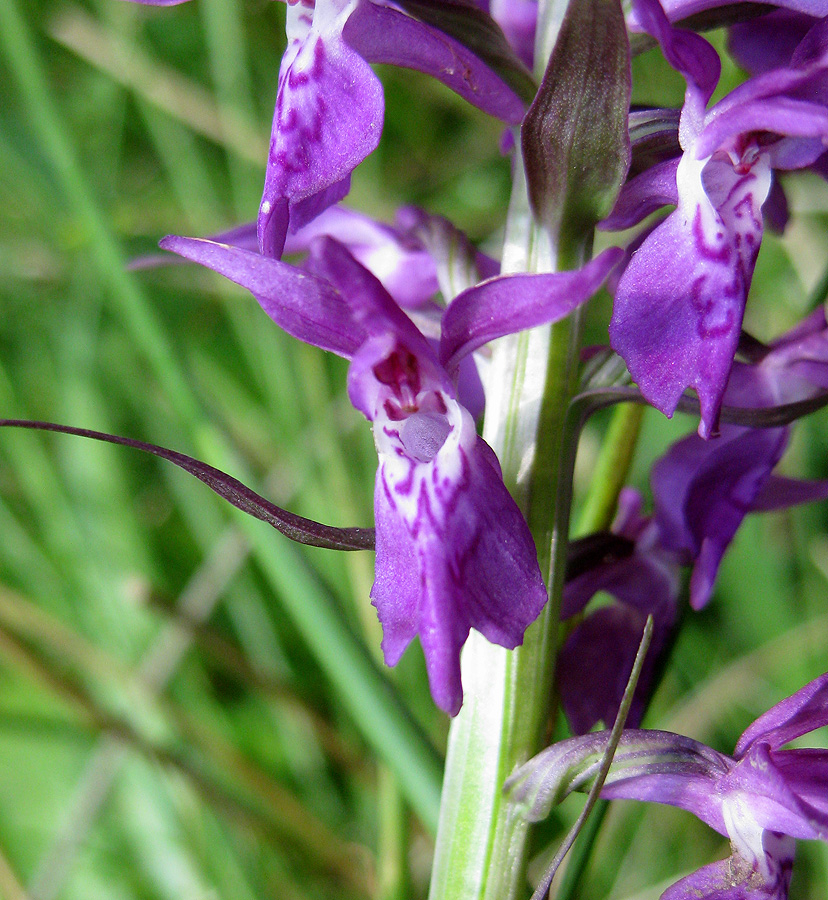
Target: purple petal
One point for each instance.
(806, 771)
(761, 796)
(729, 879)
(781, 95)
(647, 580)
(518, 19)
(242, 236)
(594, 667)
(812, 48)
(679, 304)
(307, 307)
(642, 195)
(398, 578)
(782, 493)
(382, 34)
(768, 42)
(702, 491)
(304, 211)
(780, 115)
(328, 118)
(470, 391)
(813, 325)
(370, 304)
(469, 561)
(677, 10)
(798, 714)
(401, 263)
(468, 23)
(459, 264)
(497, 568)
(797, 364)
(511, 303)
(687, 53)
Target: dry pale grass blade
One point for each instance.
(10, 886)
(163, 87)
(743, 681)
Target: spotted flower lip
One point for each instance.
(453, 550)
(762, 798)
(680, 301)
(329, 105)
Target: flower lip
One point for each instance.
(423, 434)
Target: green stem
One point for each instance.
(612, 468)
(481, 841)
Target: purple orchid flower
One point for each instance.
(453, 550)
(702, 491)
(330, 107)
(762, 798)
(596, 659)
(679, 304)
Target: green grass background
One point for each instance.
(190, 707)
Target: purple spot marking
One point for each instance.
(719, 255)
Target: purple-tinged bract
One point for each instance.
(762, 798)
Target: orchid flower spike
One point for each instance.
(762, 798)
(679, 304)
(453, 550)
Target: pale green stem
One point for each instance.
(481, 841)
